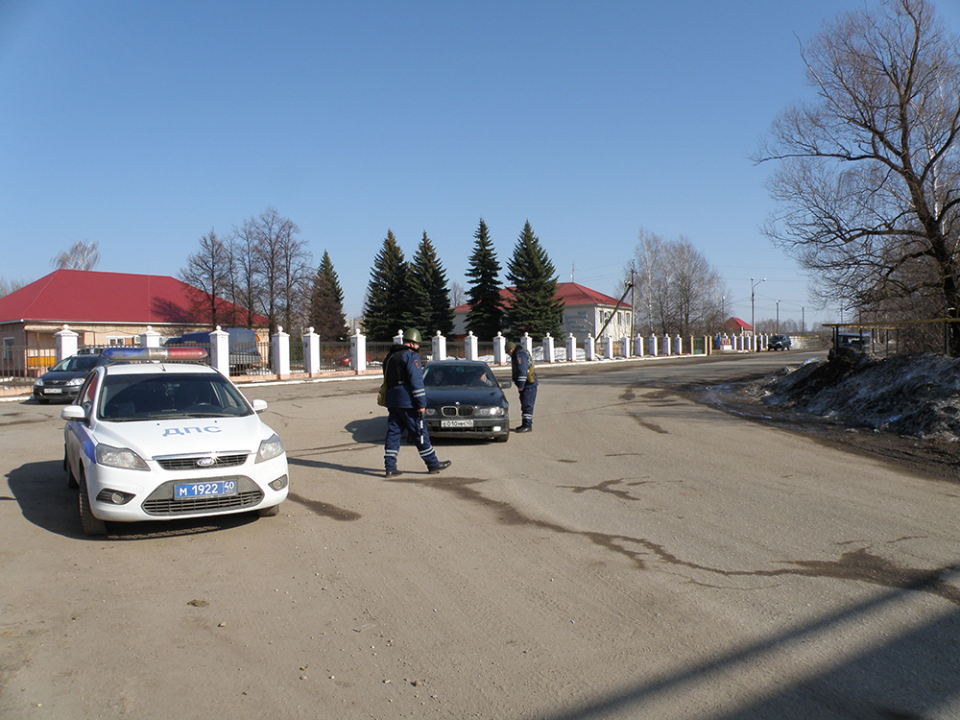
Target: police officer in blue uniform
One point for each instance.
(525, 378)
(406, 400)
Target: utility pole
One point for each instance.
(753, 319)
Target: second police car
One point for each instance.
(149, 438)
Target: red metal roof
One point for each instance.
(736, 323)
(572, 294)
(79, 296)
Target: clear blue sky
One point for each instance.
(144, 125)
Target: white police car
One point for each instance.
(158, 440)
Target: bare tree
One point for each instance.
(458, 295)
(867, 175)
(275, 268)
(246, 278)
(9, 286)
(208, 273)
(297, 277)
(82, 256)
(676, 288)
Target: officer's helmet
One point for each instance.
(412, 335)
(510, 346)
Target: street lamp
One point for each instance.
(778, 316)
(753, 321)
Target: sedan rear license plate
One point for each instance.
(205, 489)
(456, 423)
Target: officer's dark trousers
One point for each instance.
(528, 396)
(407, 421)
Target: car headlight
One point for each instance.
(75, 382)
(489, 411)
(38, 382)
(430, 411)
(120, 458)
(270, 448)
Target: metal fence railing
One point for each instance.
(20, 366)
(893, 338)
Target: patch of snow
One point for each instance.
(916, 395)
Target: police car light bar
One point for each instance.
(155, 354)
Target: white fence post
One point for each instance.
(439, 347)
(66, 343)
(548, 349)
(358, 352)
(571, 348)
(311, 352)
(526, 342)
(499, 349)
(149, 338)
(220, 350)
(470, 346)
(608, 347)
(281, 353)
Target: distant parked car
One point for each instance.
(346, 360)
(778, 342)
(848, 343)
(63, 380)
(244, 349)
(465, 400)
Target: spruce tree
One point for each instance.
(386, 308)
(485, 317)
(534, 308)
(326, 303)
(430, 309)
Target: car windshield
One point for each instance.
(458, 376)
(169, 395)
(76, 363)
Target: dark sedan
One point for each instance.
(63, 380)
(465, 399)
(778, 342)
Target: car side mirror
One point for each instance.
(73, 412)
(259, 406)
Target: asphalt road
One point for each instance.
(638, 555)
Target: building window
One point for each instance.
(8, 348)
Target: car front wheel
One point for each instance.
(71, 479)
(91, 525)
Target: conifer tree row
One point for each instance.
(386, 309)
(534, 308)
(326, 303)
(430, 301)
(402, 295)
(485, 317)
